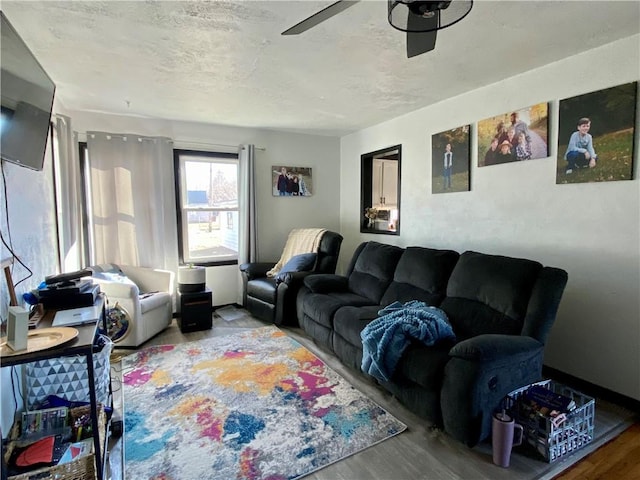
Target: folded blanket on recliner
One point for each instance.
(385, 339)
(300, 240)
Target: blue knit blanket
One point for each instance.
(385, 339)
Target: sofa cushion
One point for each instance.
(326, 283)
(421, 274)
(424, 365)
(298, 263)
(328, 251)
(320, 308)
(115, 283)
(373, 270)
(489, 294)
(106, 268)
(117, 277)
(348, 322)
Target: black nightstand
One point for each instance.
(196, 311)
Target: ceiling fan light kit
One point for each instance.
(419, 19)
(422, 19)
(403, 13)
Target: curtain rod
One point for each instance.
(127, 135)
(184, 142)
(214, 144)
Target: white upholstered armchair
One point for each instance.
(144, 299)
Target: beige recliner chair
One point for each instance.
(139, 301)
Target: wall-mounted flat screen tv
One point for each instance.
(27, 99)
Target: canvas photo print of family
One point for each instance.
(292, 181)
(514, 136)
(595, 136)
(450, 161)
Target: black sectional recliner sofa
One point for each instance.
(500, 308)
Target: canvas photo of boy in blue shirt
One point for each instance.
(580, 152)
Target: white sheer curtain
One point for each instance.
(68, 196)
(247, 240)
(133, 206)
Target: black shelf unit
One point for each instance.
(83, 344)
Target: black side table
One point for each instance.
(196, 310)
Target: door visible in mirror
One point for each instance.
(380, 191)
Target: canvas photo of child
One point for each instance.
(450, 161)
(595, 136)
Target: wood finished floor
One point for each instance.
(422, 452)
(618, 459)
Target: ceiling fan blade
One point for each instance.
(320, 17)
(418, 43)
(421, 34)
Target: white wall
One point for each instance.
(276, 215)
(30, 229)
(591, 229)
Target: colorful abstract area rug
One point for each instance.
(255, 405)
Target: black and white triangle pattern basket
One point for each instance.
(68, 377)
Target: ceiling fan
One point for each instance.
(421, 20)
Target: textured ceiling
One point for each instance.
(226, 63)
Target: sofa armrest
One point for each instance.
(150, 279)
(292, 278)
(326, 283)
(256, 269)
(126, 295)
(480, 372)
(493, 347)
(117, 289)
(287, 292)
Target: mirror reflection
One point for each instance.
(380, 196)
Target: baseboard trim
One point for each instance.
(591, 388)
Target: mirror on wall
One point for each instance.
(380, 191)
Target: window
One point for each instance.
(207, 201)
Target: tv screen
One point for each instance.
(27, 99)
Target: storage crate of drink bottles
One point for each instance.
(557, 420)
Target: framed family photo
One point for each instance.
(450, 160)
(595, 136)
(291, 181)
(514, 136)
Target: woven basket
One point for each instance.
(82, 468)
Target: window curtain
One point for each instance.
(71, 241)
(247, 241)
(133, 211)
